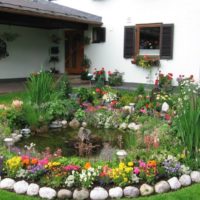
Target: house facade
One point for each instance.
(176, 27)
(39, 34)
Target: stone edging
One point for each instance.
(99, 193)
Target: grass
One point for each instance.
(189, 193)
(5, 195)
(7, 98)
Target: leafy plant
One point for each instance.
(64, 86)
(39, 87)
(188, 120)
(115, 78)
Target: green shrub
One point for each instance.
(115, 78)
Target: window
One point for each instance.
(98, 35)
(149, 39)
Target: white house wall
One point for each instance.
(28, 53)
(184, 14)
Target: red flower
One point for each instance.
(102, 69)
(167, 117)
(156, 82)
(147, 105)
(109, 72)
(98, 90)
(170, 74)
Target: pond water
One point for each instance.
(66, 139)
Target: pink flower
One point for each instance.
(71, 168)
(143, 110)
(43, 161)
(142, 164)
(17, 103)
(136, 170)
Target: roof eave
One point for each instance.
(50, 16)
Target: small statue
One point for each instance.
(84, 134)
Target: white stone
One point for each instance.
(81, 194)
(74, 124)
(7, 183)
(98, 193)
(116, 192)
(174, 183)
(146, 189)
(131, 191)
(123, 126)
(165, 107)
(47, 193)
(134, 126)
(64, 123)
(64, 194)
(185, 180)
(21, 187)
(84, 124)
(162, 187)
(33, 189)
(195, 176)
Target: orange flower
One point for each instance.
(87, 165)
(26, 161)
(34, 161)
(151, 163)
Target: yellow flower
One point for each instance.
(130, 164)
(125, 180)
(121, 165)
(55, 164)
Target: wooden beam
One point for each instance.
(39, 22)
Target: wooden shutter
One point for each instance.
(99, 34)
(129, 42)
(167, 34)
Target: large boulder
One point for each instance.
(185, 180)
(195, 176)
(131, 192)
(47, 193)
(33, 189)
(146, 189)
(7, 183)
(64, 194)
(174, 183)
(162, 187)
(116, 192)
(98, 193)
(81, 194)
(21, 187)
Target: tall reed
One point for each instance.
(188, 121)
(40, 87)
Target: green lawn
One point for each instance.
(189, 193)
(7, 98)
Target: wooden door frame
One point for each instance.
(80, 56)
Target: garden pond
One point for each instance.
(69, 142)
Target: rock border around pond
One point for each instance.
(100, 193)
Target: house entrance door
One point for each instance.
(74, 51)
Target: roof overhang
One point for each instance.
(46, 18)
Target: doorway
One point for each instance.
(74, 51)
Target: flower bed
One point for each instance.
(129, 179)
